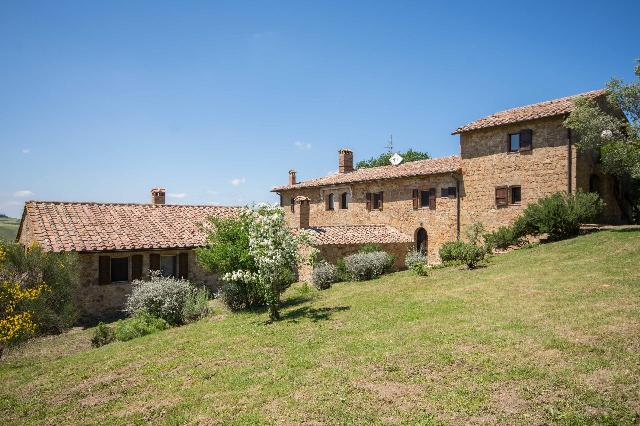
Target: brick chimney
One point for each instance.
(292, 177)
(157, 196)
(345, 160)
(301, 219)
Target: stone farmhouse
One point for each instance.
(118, 243)
(507, 160)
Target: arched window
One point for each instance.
(330, 202)
(421, 240)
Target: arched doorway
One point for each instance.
(421, 240)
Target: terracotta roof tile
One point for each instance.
(529, 112)
(413, 168)
(357, 234)
(83, 227)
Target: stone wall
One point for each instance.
(333, 252)
(397, 211)
(96, 301)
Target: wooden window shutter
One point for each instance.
(502, 194)
(526, 139)
(293, 205)
(183, 265)
(104, 270)
(136, 267)
(381, 200)
(154, 262)
(369, 196)
(416, 199)
(432, 198)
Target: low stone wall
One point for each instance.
(333, 252)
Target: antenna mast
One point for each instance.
(390, 146)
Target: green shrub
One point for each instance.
(459, 251)
(196, 305)
(102, 335)
(54, 310)
(138, 325)
(451, 251)
(343, 275)
(413, 258)
(365, 266)
(421, 269)
(370, 248)
(238, 295)
(501, 238)
(559, 215)
(324, 274)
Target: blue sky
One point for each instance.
(216, 101)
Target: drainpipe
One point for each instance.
(457, 208)
(569, 163)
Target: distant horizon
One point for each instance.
(217, 101)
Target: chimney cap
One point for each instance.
(292, 171)
(345, 150)
(158, 190)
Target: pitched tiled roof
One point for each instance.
(413, 168)
(528, 112)
(85, 227)
(357, 234)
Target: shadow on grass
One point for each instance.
(314, 314)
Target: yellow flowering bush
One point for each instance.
(15, 323)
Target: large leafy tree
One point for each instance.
(383, 159)
(612, 128)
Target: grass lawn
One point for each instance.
(9, 228)
(549, 334)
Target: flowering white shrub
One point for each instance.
(414, 258)
(274, 251)
(162, 297)
(324, 274)
(241, 290)
(364, 266)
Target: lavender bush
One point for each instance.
(162, 297)
(324, 274)
(365, 266)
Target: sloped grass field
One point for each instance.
(9, 228)
(549, 334)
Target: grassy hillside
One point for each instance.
(9, 228)
(549, 334)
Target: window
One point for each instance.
(119, 269)
(452, 191)
(521, 141)
(293, 205)
(516, 195)
(344, 200)
(168, 266)
(424, 199)
(514, 142)
(374, 201)
(377, 200)
(330, 201)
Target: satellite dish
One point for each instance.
(395, 159)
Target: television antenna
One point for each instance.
(390, 146)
